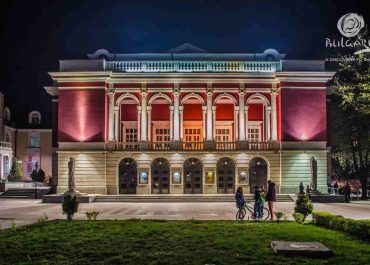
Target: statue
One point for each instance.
(301, 188)
(71, 175)
(313, 163)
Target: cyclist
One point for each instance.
(239, 198)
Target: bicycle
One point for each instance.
(240, 215)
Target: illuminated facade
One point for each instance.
(189, 122)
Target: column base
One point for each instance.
(176, 145)
(110, 146)
(209, 145)
(274, 144)
(241, 145)
(144, 145)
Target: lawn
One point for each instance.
(169, 242)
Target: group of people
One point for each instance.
(260, 197)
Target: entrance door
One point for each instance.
(225, 175)
(160, 176)
(193, 170)
(257, 173)
(127, 174)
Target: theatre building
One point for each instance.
(189, 122)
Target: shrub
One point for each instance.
(279, 216)
(92, 215)
(358, 228)
(298, 217)
(70, 206)
(303, 205)
(15, 174)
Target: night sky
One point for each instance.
(35, 34)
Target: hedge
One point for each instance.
(358, 228)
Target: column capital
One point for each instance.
(181, 108)
(111, 89)
(241, 89)
(209, 89)
(116, 108)
(172, 108)
(214, 108)
(176, 89)
(204, 108)
(274, 89)
(246, 108)
(268, 108)
(236, 108)
(143, 89)
(149, 108)
(138, 108)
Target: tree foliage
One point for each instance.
(351, 116)
(15, 173)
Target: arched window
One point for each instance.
(7, 114)
(34, 117)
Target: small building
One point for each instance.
(28, 140)
(190, 122)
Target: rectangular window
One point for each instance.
(254, 135)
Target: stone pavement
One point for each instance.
(28, 211)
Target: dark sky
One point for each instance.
(35, 34)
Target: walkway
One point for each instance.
(28, 211)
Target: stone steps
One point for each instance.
(24, 193)
(180, 198)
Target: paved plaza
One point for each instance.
(28, 211)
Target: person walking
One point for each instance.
(271, 197)
(347, 192)
(261, 200)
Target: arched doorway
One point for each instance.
(193, 170)
(257, 173)
(127, 174)
(160, 176)
(225, 175)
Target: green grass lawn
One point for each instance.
(169, 242)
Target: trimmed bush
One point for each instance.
(298, 217)
(70, 206)
(358, 228)
(303, 205)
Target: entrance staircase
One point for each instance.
(24, 193)
(181, 198)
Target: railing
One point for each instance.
(227, 146)
(194, 146)
(134, 146)
(259, 146)
(192, 66)
(5, 144)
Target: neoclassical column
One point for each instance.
(116, 123)
(236, 123)
(144, 124)
(274, 92)
(241, 113)
(176, 113)
(204, 127)
(139, 123)
(172, 124)
(181, 108)
(246, 122)
(111, 115)
(209, 126)
(268, 121)
(214, 122)
(149, 112)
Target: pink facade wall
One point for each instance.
(81, 116)
(303, 116)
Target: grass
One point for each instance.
(169, 242)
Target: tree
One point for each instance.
(15, 174)
(70, 206)
(351, 115)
